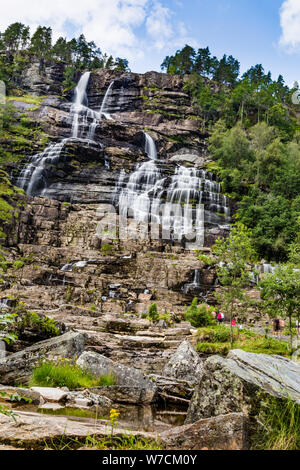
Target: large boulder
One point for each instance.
(224, 432)
(185, 364)
(125, 376)
(17, 368)
(241, 383)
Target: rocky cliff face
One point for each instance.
(70, 271)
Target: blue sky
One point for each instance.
(145, 31)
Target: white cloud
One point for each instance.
(125, 28)
(159, 26)
(290, 24)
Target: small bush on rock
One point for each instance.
(199, 315)
(153, 313)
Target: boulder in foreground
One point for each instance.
(17, 368)
(185, 364)
(241, 383)
(126, 377)
(224, 432)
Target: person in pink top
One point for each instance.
(233, 323)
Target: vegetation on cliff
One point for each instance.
(17, 48)
(254, 140)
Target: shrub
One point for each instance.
(221, 334)
(18, 264)
(167, 318)
(199, 315)
(153, 313)
(63, 373)
(42, 324)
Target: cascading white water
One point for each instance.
(80, 103)
(150, 147)
(103, 110)
(195, 284)
(177, 204)
(33, 178)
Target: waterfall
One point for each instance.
(173, 202)
(150, 147)
(103, 111)
(134, 197)
(33, 178)
(187, 288)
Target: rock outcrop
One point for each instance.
(241, 383)
(35, 432)
(143, 389)
(17, 368)
(185, 364)
(224, 432)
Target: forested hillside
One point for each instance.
(254, 139)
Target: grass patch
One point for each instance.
(126, 442)
(64, 373)
(280, 424)
(216, 340)
(40, 323)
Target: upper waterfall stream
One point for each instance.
(33, 178)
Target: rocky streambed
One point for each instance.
(193, 403)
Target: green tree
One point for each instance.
(233, 255)
(121, 65)
(180, 64)
(227, 71)
(41, 42)
(15, 37)
(153, 313)
(62, 50)
(281, 294)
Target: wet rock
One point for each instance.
(185, 364)
(241, 382)
(50, 394)
(51, 406)
(126, 394)
(224, 432)
(125, 376)
(88, 398)
(32, 395)
(17, 368)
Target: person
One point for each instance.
(281, 325)
(219, 317)
(298, 327)
(222, 317)
(233, 322)
(276, 326)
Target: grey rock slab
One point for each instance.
(34, 431)
(224, 432)
(32, 395)
(17, 368)
(241, 382)
(185, 364)
(51, 394)
(100, 365)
